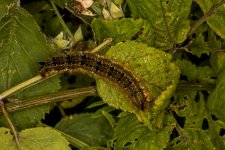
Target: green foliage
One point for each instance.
(138, 136)
(92, 129)
(167, 20)
(30, 139)
(157, 76)
(22, 47)
(216, 101)
(176, 48)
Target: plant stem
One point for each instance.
(107, 42)
(203, 19)
(61, 20)
(196, 86)
(13, 129)
(21, 86)
(51, 98)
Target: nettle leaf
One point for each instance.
(194, 139)
(22, 47)
(217, 20)
(156, 71)
(194, 119)
(91, 128)
(118, 30)
(185, 105)
(198, 46)
(216, 100)
(202, 74)
(34, 138)
(167, 19)
(131, 134)
(187, 69)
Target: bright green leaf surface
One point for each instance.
(22, 47)
(155, 69)
(118, 30)
(167, 19)
(216, 100)
(217, 20)
(35, 139)
(89, 128)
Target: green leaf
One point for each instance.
(156, 71)
(216, 100)
(217, 60)
(187, 69)
(23, 46)
(131, 134)
(35, 139)
(5, 6)
(193, 116)
(90, 128)
(167, 19)
(202, 74)
(118, 30)
(195, 139)
(198, 46)
(217, 20)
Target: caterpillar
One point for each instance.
(97, 65)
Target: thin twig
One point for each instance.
(61, 20)
(203, 19)
(196, 86)
(51, 98)
(107, 42)
(13, 129)
(21, 86)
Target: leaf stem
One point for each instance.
(196, 86)
(13, 129)
(203, 19)
(20, 86)
(61, 19)
(51, 98)
(107, 42)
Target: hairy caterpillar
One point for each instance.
(98, 65)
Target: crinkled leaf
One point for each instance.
(199, 46)
(35, 139)
(23, 46)
(131, 134)
(185, 106)
(216, 100)
(194, 139)
(203, 74)
(156, 71)
(167, 19)
(90, 128)
(187, 69)
(118, 30)
(217, 20)
(193, 116)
